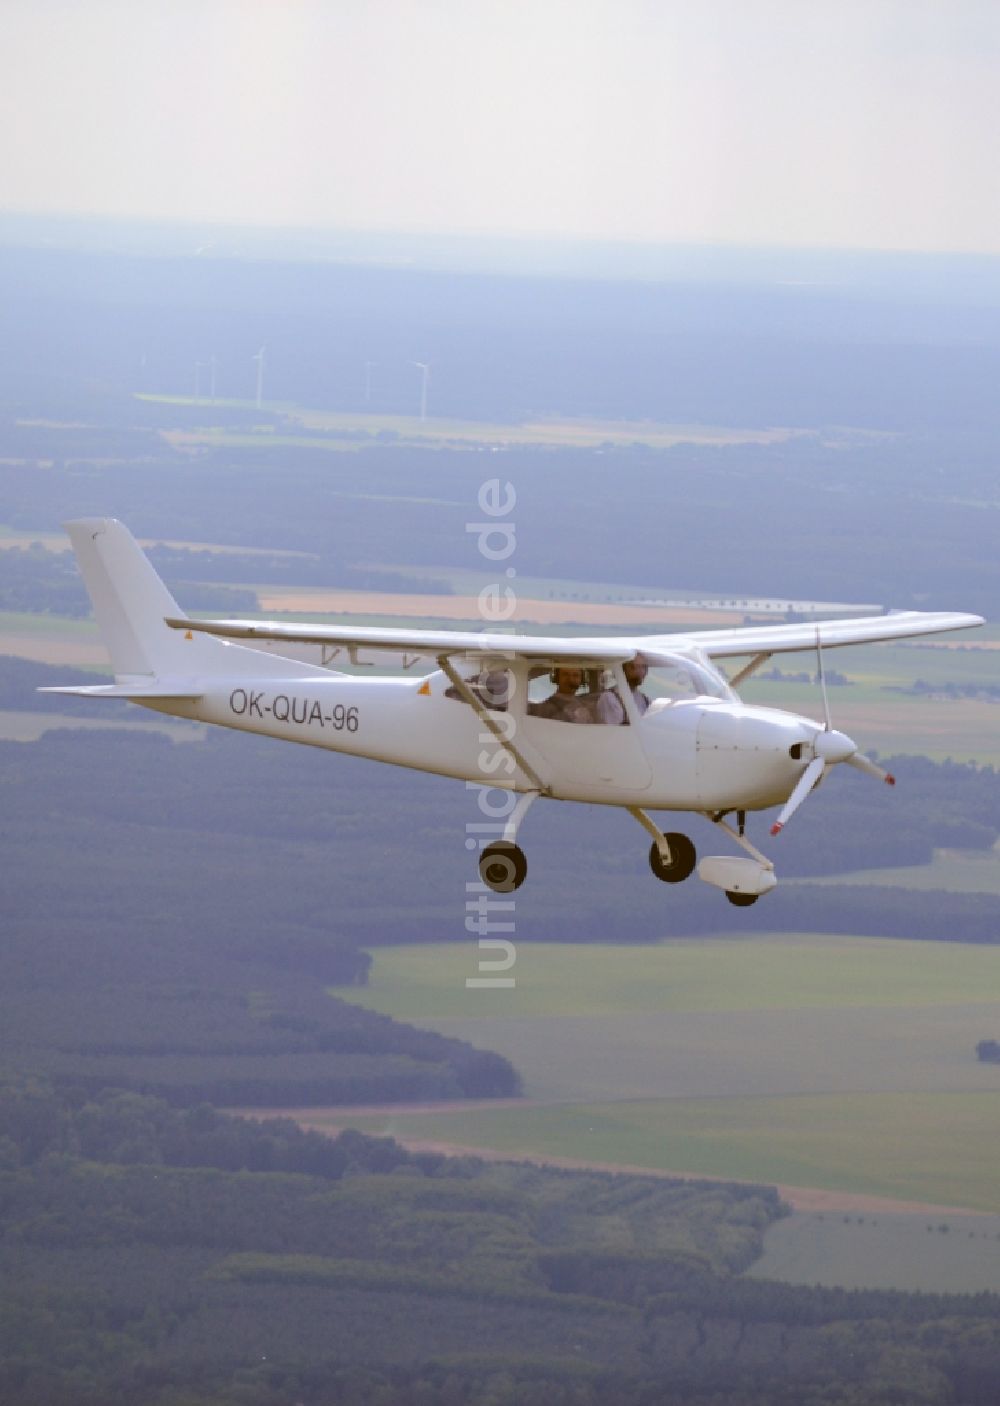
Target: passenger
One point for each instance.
(610, 708)
(635, 671)
(564, 705)
(605, 703)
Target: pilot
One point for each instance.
(564, 705)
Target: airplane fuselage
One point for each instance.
(701, 754)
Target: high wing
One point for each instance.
(831, 634)
(717, 644)
(433, 643)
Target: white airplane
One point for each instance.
(648, 723)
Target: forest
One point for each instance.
(389, 509)
(162, 1256)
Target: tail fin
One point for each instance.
(131, 602)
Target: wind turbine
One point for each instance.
(213, 363)
(368, 381)
(259, 358)
(425, 368)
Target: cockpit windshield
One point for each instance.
(671, 677)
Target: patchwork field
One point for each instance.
(846, 1064)
(465, 609)
(52, 639)
(346, 430)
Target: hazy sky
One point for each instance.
(825, 122)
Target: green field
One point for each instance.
(938, 1148)
(846, 1063)
(685, 976)
(943, 1254)
(53, 639)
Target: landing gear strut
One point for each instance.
(671, 857)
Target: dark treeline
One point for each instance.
(162, 1256)
(184, 568)
(399, 507)
(33, 579)
(44, 582)
(947, 689)
(126, 961)
(193, 1021)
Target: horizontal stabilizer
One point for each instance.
(136, 692)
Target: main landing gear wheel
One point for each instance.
(681, 862)
(741, 900)
(503, 866)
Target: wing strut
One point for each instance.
(479, 708)
(750, 668)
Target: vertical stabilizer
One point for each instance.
(130, 601)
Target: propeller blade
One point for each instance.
(809, 778)
(862, 763)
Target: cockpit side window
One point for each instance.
(571, 694)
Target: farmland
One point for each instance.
(845, 1064)
(320, 429)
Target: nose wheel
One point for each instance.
(741, 900)
(503, 866)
